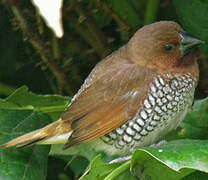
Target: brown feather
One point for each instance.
(56, 128)
(113, 98)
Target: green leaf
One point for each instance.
(195, 124)
(175, 159)
(79, 164)
(99, 170)
(193, 15)
(53, 105)
(6, 104)
(20, 113)
(85, 150)
(28, 163)
(199, 116)
(196, 175)
(127, 12)
(101, 18)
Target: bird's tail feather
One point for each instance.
(54, 133)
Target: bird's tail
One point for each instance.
(54, 133)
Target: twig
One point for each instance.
(151, 11)
(85, 34)
(109, 11)
(32, 36)
(55, 46)
(95, 32)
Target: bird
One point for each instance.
(131, 98)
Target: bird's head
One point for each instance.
(163, 45)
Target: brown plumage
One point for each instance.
(115, 91)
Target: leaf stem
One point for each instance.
(52, 108)
(96, 34)
(118, 171)
(116, 18)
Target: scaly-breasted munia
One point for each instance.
(131, 98)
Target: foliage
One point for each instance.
(49, 65)
(192, 14)
(177, 159)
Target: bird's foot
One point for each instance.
(122, 159)
(159, 143)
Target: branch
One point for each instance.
(39, 45)
(102, 48)
(109, 11)
(85, 34)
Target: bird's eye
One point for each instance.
(168, 48)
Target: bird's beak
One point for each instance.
(187, 43)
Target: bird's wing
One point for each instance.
(112, 98)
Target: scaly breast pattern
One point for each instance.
(166, 105)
